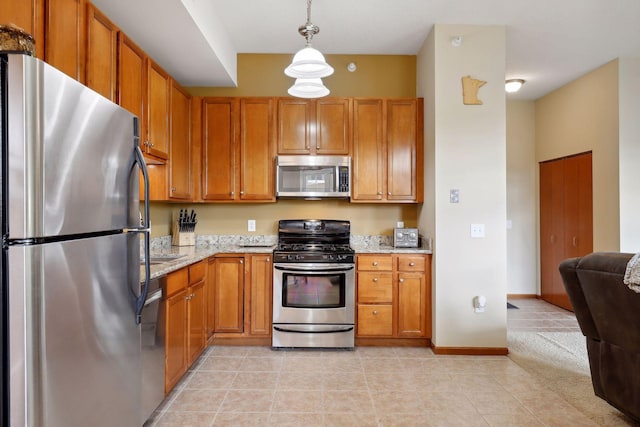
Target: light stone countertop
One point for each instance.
(173, 258)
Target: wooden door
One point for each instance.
(229, 294)
(158, 108)
(101, 56)
(296, 135)
(176, 361)
(566, 220)
(65, 36)
(401, 145)
(257, 141)
(368, 151)
(260, 297)
(180, 144)
(219, 148)
(27, 15)
(412, 297)
(197, 321)
(132, 80)
(332, 121)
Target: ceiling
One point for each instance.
(548, 42)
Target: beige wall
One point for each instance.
(232, 218)
(583, 116)
(467, 151)
(376, 75)
(522, 234)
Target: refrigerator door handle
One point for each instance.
(145, 231)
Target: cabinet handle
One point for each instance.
(146, 143)
(379, 193)
(575, 241)
(317, 147)
(553, 239)
(375, 279)
(412, 264)
(152, 144)
(401, 280)
(173, 188)
(389, 193)
(375, 263)
(268, 260)
(375, 312)
(232, 193)
(242, 193)
(241, 261)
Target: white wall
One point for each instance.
(521, 199)
(629, 116)
(465, 150)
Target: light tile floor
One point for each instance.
(370, 386)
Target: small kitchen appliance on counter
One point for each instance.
(405, 237)
(313, 285)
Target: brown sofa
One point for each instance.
(608, 313)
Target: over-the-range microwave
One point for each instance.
(312, 177)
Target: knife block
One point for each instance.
(182, 238)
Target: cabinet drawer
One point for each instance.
(375, 320)
(197, 272)
(374, 287)
(411, 263)
(177, 281)
(376, 262)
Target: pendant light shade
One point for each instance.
(308, 63)
(308, 88)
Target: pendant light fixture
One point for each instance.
(308, 65)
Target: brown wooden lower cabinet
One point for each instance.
(393, 297)
(185, 326)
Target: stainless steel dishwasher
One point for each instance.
(153, 339)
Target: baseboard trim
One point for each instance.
(523, 296)
(471, 351)
(392, 342)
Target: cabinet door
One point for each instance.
(157, 114)
(176, 339)
(257, 140)
(375, 320)
(28, 15)
(180, 145)
(229, 294)
(401, 143)
(100, 67)
(412, 309)
(65, 36)
(197, 321)
(368, 151)
(210, 298)
(332, 121)
(219, 148)
(261, 295)
(131, 79)
(295, 131)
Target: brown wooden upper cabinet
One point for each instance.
(387, 150)
(319, 126)
(180, 144)
(238, 138)
(101, 57)
(157, 111)
(28, 15)
(65, 39)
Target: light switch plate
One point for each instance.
(454, 195)
(251, 225)
(477, 231)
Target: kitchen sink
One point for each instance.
(162, 258)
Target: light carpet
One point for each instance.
(559, 360)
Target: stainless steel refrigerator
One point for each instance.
(71, 293)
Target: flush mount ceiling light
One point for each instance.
(513, 85)
(308, 63)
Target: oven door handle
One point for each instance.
(318, 329)
(314, 268)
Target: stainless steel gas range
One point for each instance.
(313, 285)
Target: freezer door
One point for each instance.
(70, 156)
(75, 346)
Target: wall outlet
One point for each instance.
(400, 224)
(251, 225)
(477, 231)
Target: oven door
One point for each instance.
(313, 293)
